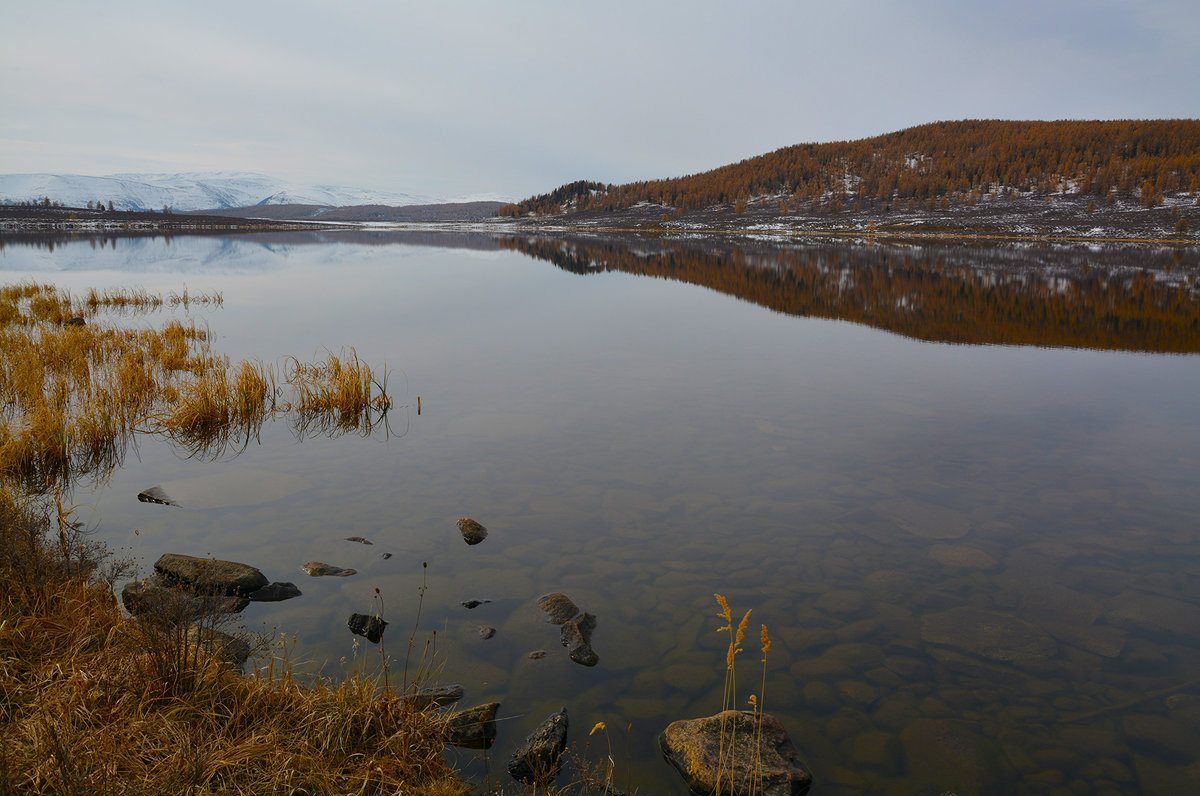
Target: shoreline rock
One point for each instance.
(693, 747)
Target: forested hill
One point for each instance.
(944, 162)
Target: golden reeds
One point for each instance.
(73, 391)
(728, 741)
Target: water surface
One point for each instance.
(960, 486)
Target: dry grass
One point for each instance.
(87, 707)
(74, 391)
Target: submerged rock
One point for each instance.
(275, 592)
(694, 746)
(473, 728)
(539, 759)
(486, 632)
(989, 634)
(952, 757)
(370, 627)
(209, 575)
(318, 569)
(557, 608)
(472, 532)
(473, 603)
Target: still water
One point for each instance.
(960, 487)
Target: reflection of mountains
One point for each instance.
(1122, 298)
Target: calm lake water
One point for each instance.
(960, 486)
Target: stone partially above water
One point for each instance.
(472, 532)
(473, 728)
(694, 746)
(156, 494)
(988, 634)
(539, 759)
(370, 627)
(154, 597)
(209, 575)
(275, 592)
(318, 569)
(576, 626)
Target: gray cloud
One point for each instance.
(452, 98)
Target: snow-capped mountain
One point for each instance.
(188, 191)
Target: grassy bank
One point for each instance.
(95, 702)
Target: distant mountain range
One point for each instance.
(190, 191)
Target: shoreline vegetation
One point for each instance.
(94, 701)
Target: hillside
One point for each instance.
(933, 167)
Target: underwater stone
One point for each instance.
(318, 569)
(989, 634)
(275, 592)
(693, 747)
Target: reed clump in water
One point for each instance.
(88, 706)
(73, 391)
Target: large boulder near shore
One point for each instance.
(473, 728)
(209, 575)
(694, 746)
(153, 598)
(539, 759)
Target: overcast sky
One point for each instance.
(450, 98)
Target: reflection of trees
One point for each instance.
(1083, 299)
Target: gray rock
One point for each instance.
(358, 539)
(234, 650)
(371, 627)
(576, 635)
(437, 696)
(693, 747)
(318, 569)
(155, 599)
(156, 494)
(275, 592)
(473, 603)
(539, 759)
(472, 532)
(209, 575)
(486, 632)
(473, 728)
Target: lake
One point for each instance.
(960, 485)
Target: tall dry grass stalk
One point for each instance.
(74, 391)
(728, 729)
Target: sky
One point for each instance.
(451, 98)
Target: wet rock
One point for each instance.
(951, 756)
(156, 494)
(437, 696)
(275, 592)
(473, 728)
(358, 539)
(988, 634)
(318, 569)
(385, 556)
(485, 632)
(370, 627)
(209, 575)
(557, 608)
(536, 655)
(576, 635)
(472, 532)
(693, 747)
(469, 604)
(151, 597)
(539, 759)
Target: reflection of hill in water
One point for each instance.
(1121, 298)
